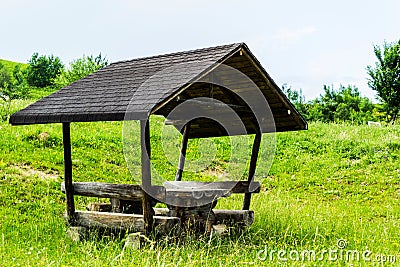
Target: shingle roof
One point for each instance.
(107, 93)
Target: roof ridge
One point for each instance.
(192, 51)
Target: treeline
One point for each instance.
(43, 74)
(342, 105)
(347, 105)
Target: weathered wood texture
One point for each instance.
(106, 190)
(235, 187)
(195, 197)
(193, 194)
(125, 222)
(227, 217)
(198, 219)
(202, 218)
(184, 189)
(234, 217)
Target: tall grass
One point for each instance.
(332, 182)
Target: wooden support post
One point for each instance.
(69, 189)
(148, 211)
(252, 169)
(182, 157)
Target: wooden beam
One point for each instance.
(146, 153)
(192, 194)
(252, 168)
(69, 190)
(234, 217)
(227, 217)
(182, 157)
(117, 191)
(125, 222)
(148, 211)
(234, 187)
(106, 190)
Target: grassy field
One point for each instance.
(328, 186)
(10, 65)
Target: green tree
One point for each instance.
(345, 104)
(19, 75)
(385, 77)
(296, 97)
(5, 81)
(81, 68)
(43, 70)
(11, 89)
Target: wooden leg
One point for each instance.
(148, 211)
(69, 189)
(252, 169)
(148, 214)
(182, 157)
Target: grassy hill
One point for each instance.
(333, 184)
(10, 65)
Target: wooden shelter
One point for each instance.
(136, 89)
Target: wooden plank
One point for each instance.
(193, 194)
(194, 198)
(107, 190)
(235, 187)
(227, 217)
(182, 157)
(69, 192)
(125, 222)
(252, 168)
(234, 217)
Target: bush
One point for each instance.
(81, 68)
(11, 88)
(385, 77)
(43, 70)
(343, 105)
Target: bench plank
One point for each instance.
(125, 222)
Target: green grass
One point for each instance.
(10, 65)
(328, 183)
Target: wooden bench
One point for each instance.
(189, 203)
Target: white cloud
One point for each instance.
(290, 36)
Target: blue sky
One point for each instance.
(305, 44)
